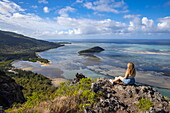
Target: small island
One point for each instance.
(91, 51)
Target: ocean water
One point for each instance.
(151, 59)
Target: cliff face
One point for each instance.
(10, 91)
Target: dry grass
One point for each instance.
(61, 104)
(65, 105)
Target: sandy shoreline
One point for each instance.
(44, 64)
(56, 81)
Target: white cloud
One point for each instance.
(64, 11)
(131, 16)
(14, 18)
(135, 24)
(7, 7)
(46, 10)
(87, 26)
(140, 25)
(164, 26)
(107, 6)
(29, 24)
(34, 6)
(79, 1)
(43, 1)
(147, 25)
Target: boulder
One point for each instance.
(78, 77)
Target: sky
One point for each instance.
(87, 19)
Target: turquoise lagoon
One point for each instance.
(151, 58)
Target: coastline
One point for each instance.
(44, 64)
(139, 78)
(143, 78)
(55, 81)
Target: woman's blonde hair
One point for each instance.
(131, 69)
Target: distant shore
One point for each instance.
(55, 81)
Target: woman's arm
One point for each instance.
(126, 75)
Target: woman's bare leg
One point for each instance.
(118, 79)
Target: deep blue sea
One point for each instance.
(151, 58)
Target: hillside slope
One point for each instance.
(14, 46)
(83, 95)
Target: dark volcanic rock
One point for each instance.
(121, 98)
(10, 91)
(78, 77)
(91, 50)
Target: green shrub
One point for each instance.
(144, 104)
(33, 82)
(42, 60)
(167, 98)
(36, 88)
(82, 90)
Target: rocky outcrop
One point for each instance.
(10, 91)
(91, 50)
(121, 98)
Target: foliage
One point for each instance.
(166, 98)
(82, 90)
(32, 101)
(79, 95)
(42, 60)
(5, 64)
(36, 88)
(144, 104)
(33, 82)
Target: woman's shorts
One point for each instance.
(129, 81)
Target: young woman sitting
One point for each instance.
(129, 77)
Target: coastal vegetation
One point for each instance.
(32, 82)
(81, 96)
(5, 64)
(42, 60)
(82, 91)
(36, 88)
